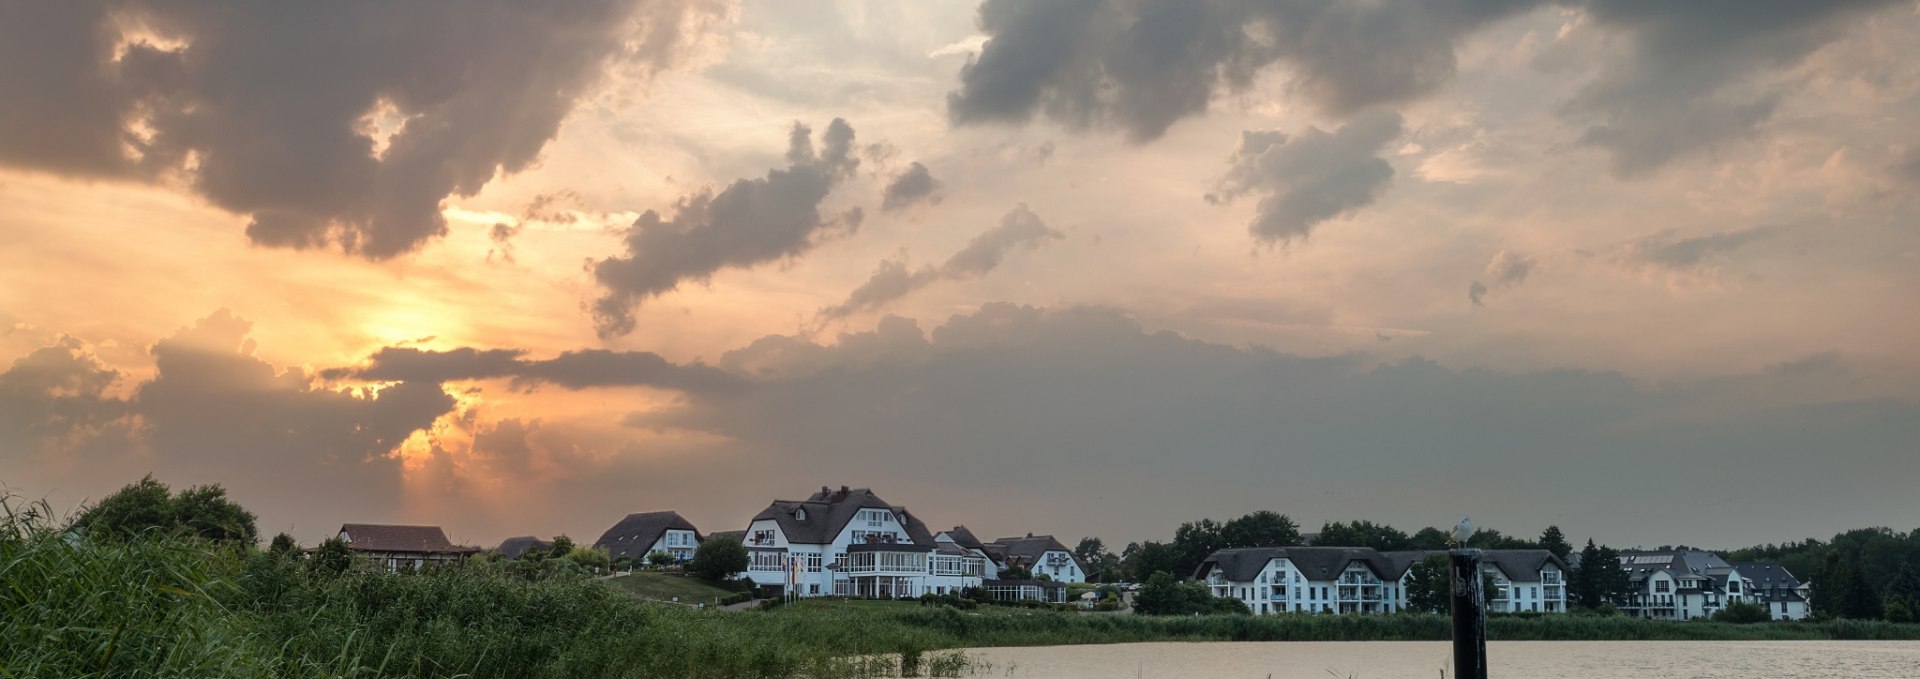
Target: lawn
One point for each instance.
(654, 586)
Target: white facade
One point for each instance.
(681, 544)
(1680, 584)
(1336, 580)
(1060, 566)
(1545, 592)
(1280, 587)
(873, 554)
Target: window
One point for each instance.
(800, 514)
(1662, 586)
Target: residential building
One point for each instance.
(850, 542)
(1526, 580)
(639, 535)
(1361, 580)
(1679, 584)
(1042, 555)
(962, 538)
(1770, 585)
(398, 547)
(515, 547)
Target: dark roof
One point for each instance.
(635, 535)
(1317, 563)
(963, 537)
(916, 528)
(1639, 563)
(1769, 581)
(740, 535)
(512, 548)
(373, 537)
(828, 512)
(1520, 564)
(1028, 550)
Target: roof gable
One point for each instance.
(374, 537)
(827, 514)
(636, 534)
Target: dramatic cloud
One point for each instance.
(342, 123)
(1685, 83)
(893, 279)
(53, 394)
(1017, 398)
(915, 185)
(1142, 65)
(1506, 269)
(1311, 177)
(750, 222)
(570, 370)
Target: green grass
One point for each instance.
(654, 586)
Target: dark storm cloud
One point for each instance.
(913, 186)
(1312, 176)
(1684, 83)
(750, 222)
(1506, 269)
(1142, 65)
(570, 370)
(214, 412)
(894, 279)
(1019, 399)
(338, 122)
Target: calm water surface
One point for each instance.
(1427, 660)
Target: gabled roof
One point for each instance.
(374, 537)
(512, 548)
(1769, 581)
(963, 537)
(1521, 564)
(1316, 563)
(1029, 549)
(636, 534)
(827, 513)
(1640, 563)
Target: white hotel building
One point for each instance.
(1360, 580)
(850, 542)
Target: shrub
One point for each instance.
(1743, 613)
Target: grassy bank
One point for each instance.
(667, 587)
(184, 608)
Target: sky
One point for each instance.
(1645, 271)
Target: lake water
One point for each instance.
(1428, 659)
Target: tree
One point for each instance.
(332, 556)
(1429, 538)
(660, 559)
(1842, 591)
(1260, 529)
(1379, 536)
(1428, 588)
(1101, 564)
(1903, 595)
(592, 558)
(717, 559)
(1164, 595)
(561, 547)
(1554, 541)
(284, 546)
(1611, 581)
(1196, 540)
(149, 507)
(1154, 557)
(1581, 589)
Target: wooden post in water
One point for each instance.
(1469, 615)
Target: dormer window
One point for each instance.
(800, 514)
